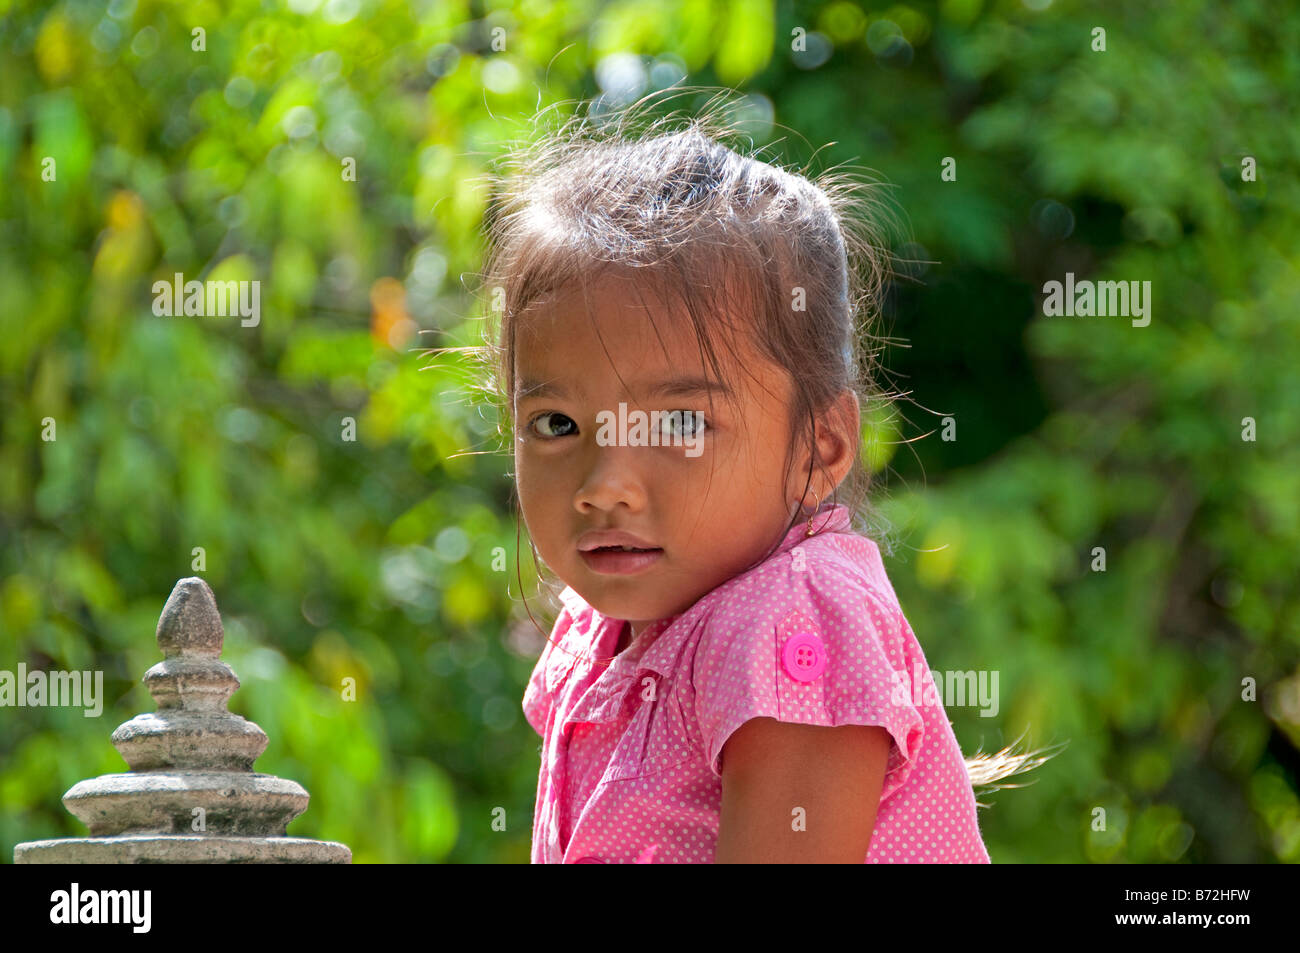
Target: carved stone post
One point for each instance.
(190, 759)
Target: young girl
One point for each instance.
(730, 677)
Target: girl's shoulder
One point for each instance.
(812, 635)
(832, 579)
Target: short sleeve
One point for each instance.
(827, 650)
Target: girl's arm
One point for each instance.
(770, 768)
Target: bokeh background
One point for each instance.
(374, 559)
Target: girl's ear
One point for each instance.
(838, 434)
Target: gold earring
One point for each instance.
(809, 531)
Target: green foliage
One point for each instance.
(373, 559)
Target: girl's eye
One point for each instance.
(682, 423)
(562, 426)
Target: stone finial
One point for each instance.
(190, 625)
(192, 795)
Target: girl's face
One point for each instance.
(711, 505)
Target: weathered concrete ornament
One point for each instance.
(191, 795)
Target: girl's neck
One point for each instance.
(625, 637)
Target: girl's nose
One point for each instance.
(612, 479)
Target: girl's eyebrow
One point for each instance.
(531, 388)
(675, 387)
(690, 387)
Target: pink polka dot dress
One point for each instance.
(631, 749)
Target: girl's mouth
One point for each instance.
(620, 560)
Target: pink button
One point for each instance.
(804, 657)
(589, 860)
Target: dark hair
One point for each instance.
(720, 233)
(752, 252)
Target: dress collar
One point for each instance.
(605, 697)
